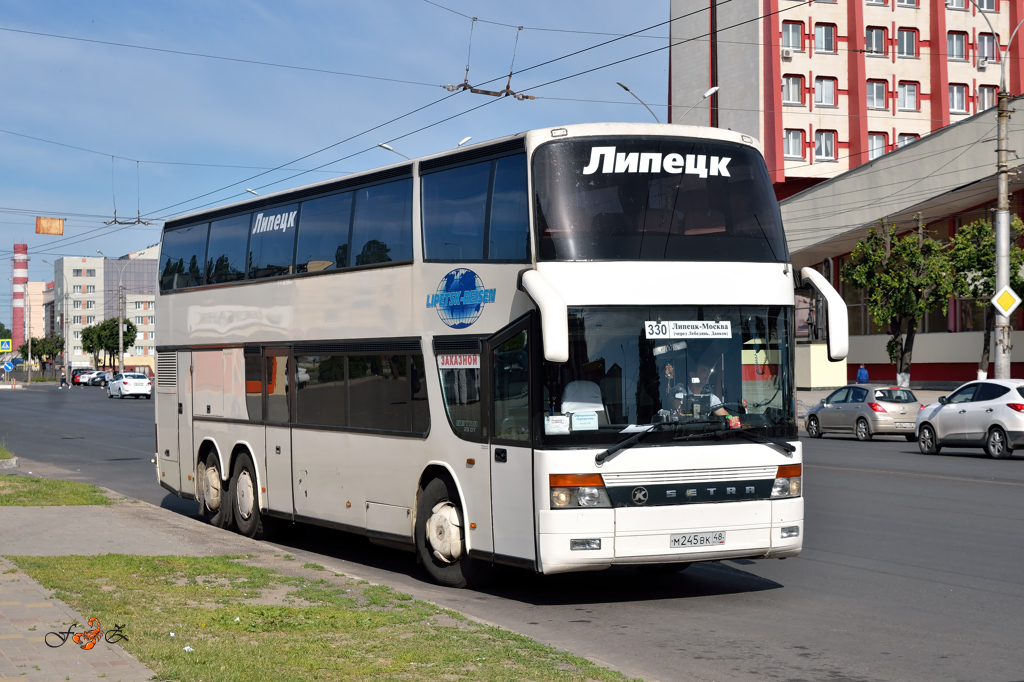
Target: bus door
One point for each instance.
(279, 434)
(511, 451)
(186, 451)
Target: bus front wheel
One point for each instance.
(440, 542)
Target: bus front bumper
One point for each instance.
(594, 539)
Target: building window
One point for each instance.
(793, 144)
(906, 42)
(987, 47)
(76, 289)
(956, 46)
(77, 335)
(138, 305)
(77, 305)
(76, 273)
(957, 99)
(152, 319)
(90, 273)
(906, 3)
(89, 305)
(876, 95)
(825, 91)
(876, 2)
(139, 350)
(792, 89)
(138, 319)
(876, 145)
(90, 289)
(825, 38)
(875, 41)
(987, 5)
(956, 4)
(987, 95)
(792, 35)
(77, 319)
(906, 138)
(90, 319)
(825, 144)
(907, 97)
(77, 350)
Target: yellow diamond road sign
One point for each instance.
(1006, 301)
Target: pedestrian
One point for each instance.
(63, 379)
(862, 374)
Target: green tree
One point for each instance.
(903, 278)
(5, 333)
(91, 343)
(972, 255)
(106, 335)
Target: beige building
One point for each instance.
(829, 85)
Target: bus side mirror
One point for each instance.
(837, 324)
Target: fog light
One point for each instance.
(584, 543)
(790, 532)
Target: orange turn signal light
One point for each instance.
(789, 471)
(575, 480)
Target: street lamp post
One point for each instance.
(1003, 347)
(64, 326)
(120, 312)
(707, 94)
(639, 100)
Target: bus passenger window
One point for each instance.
(454, 212)
(254, 387)
(509, 228)
(272, 241)
(418, 386)
(511, 390)
(323, 234)
(459, 374)
(277, 389)
(382, 223)
(321, 397)
(225, 258)
(379, 392)
(183, 253)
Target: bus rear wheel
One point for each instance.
(440, 542)
(246, 501)
(215, 500)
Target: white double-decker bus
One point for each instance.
(561, 350)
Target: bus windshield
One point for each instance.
(707, 367)
(655, 198)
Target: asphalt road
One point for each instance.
(910, 570)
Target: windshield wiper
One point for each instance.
(600, 457)
(742, 433)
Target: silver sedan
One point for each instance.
(864, 411)
(981, 414)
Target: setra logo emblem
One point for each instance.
(640, 496)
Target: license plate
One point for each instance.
(698, 539)
(136, 383)
(904, 425)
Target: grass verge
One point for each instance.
(234, 620)
(33, 491)
(5, 452)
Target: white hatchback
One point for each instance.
(981, 414)
(130, 384)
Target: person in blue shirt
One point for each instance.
(862, 374)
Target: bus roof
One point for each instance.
(529, 138)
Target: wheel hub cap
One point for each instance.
(444, 532)
(244, 496)
(211, 488)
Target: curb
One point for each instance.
(11, 463)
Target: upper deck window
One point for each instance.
(382, 224)
(225, 257)
(477, 212)
(323, 239)
(182, 256)
(655, 198)
(272, 241)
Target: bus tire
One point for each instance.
(440, 545)
(245, 500)
(216, 496)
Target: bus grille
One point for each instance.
(167, 369)
(689, 476)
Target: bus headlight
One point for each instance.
(787, 481)
(573, 491)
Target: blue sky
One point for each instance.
(173, 121)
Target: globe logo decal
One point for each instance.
(460, 298)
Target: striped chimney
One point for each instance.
(18, 289)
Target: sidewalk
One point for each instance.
(28, 612)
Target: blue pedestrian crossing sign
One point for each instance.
(5, 345)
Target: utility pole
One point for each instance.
(120, 326)
(1003, 347)
(28, 304)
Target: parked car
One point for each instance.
(865, 411)
(980, 414)
(77, 374)
(130, 384)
